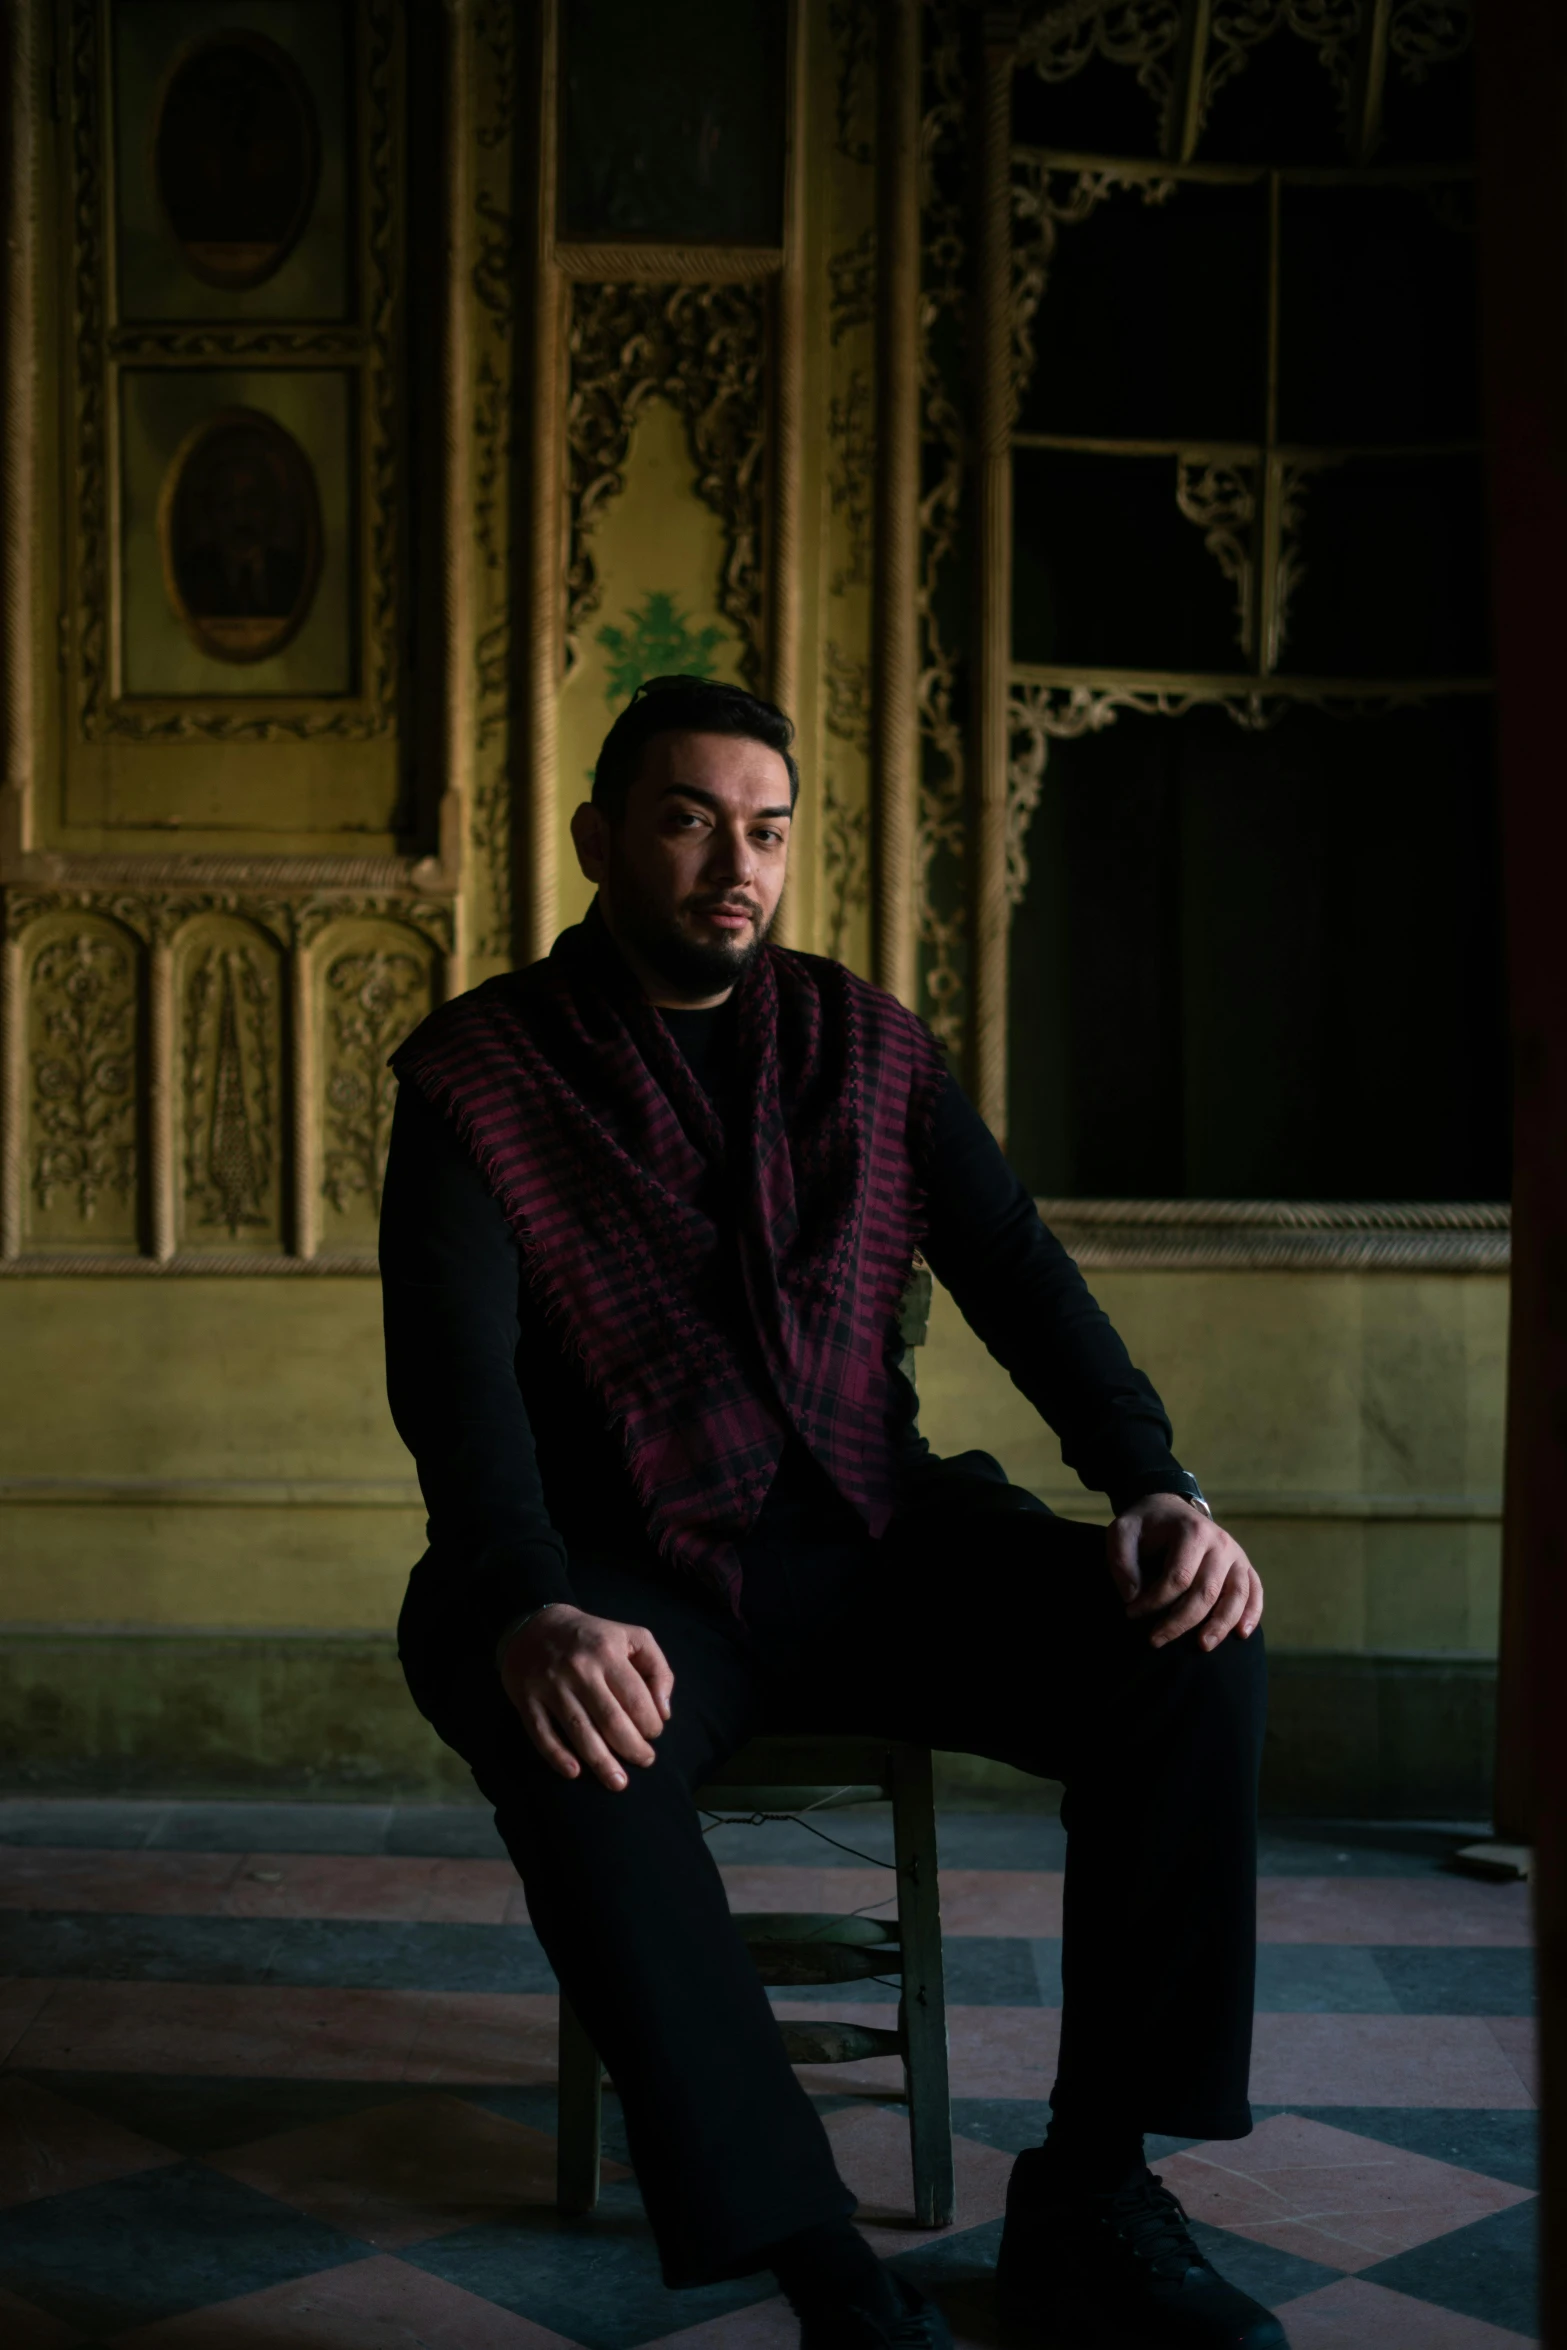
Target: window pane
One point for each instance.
(1393, 579)
(1257, 966)
(1377, 316)
(672, 120)
(1154, 319)
(1428, 116)
(1107, 570)
(1280, 107)
(1100, 110)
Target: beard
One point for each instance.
(696, 966)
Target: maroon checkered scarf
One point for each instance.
(721, 1290)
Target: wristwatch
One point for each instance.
(519, 1623)
(1188, 1489)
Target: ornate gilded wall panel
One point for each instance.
(943, 603)
(701, 348)
(229, 994)
(495, 455)
(843, 652)
(236, 539)
(199, 1075)
(374, 982)
(84, 1051)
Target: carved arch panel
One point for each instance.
(373, 982)
(229, 998)
(85, 1048)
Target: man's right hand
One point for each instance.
(588, 1690)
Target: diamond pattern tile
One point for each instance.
(22, 2327)
(198, 2155)
(594, 2280)
(1328, 2195)
(399, 2174)
(871, 2148)
(374, 2305)
(107, 2258)
(49, 2145)
(1351, 2315)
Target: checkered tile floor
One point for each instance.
(284, 2075)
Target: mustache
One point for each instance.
(724, 905)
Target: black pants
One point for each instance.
(999, 1636)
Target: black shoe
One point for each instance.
(1116, 2272)
(921, 2327)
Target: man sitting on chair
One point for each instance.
(650, 1210)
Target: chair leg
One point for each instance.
(923, 2012)
(580, 2126)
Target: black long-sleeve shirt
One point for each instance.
(516, 1464)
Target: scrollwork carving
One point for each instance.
(1219, 497)
(495, 268)
(851, 286)
(1236, 27)
(1047, 197)
(234, 342)
(295, 920)
(1041, 713)
(87, 277)
(229, 1086)
(490, 816)
(702, 348)
(1424, 33)
(84, 1069)
(1141, 34)
(848, 684)
(495, 31)
(1293, 479)
(491, 449)
(845, 863)
(851, 26)
(939, 835)
(374, 996)
(309, 917)
(382, 291)
(850, 475)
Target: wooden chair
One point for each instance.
(781, 1778)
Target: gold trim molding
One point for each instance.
(1196, 1236)
(627, 264)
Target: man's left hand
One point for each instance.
(1168, 1559)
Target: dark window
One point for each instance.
(1258, 949)
(672, 120)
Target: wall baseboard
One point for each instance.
(219, 1713)
(1380, 1736)
(216, 1713)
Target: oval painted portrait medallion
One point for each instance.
(235, 157)
(239, 523)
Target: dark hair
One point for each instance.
(685, 705)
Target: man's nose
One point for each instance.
(734, 857)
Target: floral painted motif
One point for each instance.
(659, 641)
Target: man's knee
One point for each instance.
(1225, 1689)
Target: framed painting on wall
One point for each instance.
(236, 571)
(233, 162)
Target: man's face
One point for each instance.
(690, 877)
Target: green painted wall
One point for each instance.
(206, 1521)
(1347, 1426)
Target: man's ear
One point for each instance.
(590, 839)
